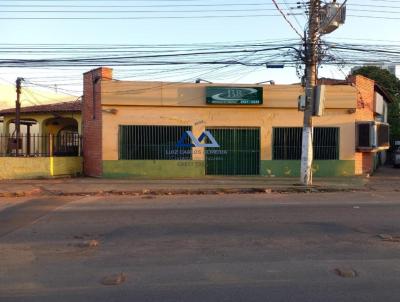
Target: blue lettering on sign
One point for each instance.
(196, 142)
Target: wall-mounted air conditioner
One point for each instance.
(372, 136)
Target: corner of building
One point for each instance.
(92, 120)
(364, 161)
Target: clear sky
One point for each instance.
(196, 30)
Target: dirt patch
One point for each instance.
(113, 280)
(346, 272)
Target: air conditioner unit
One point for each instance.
(372, 136)
(332, 16)
(382, 133)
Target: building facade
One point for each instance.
(157, 129)
(48, 145)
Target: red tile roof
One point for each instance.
(74, 106)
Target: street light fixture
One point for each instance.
(272, 82)
(202, 80)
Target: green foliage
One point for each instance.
(391, 84)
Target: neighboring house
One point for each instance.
(372, 106)
(371, 121)
(30, 96)
(158, 129)
(52, 149)
(49, 118)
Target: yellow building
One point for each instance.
(157, 129)
(49, 118)
(30, 96)
(53, 149)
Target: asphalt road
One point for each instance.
(259, 247)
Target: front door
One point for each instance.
(238, 154)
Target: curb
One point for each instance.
(33, 192)
(163, 192)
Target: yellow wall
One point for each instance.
(190, 94)
(156, 103)
(24, 168)
(200, 118)
(41, 118)
(65, 165)
(39, 167)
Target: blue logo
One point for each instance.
(196, 142)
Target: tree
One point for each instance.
(391, 84)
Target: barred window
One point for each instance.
(287, 143)
(326, 143)
(153, 143)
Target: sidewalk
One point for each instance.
(207, 185)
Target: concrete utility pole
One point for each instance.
(311, 80)
(18, 114)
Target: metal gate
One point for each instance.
(238, 154)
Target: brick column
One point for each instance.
(92, 120)
(364, 112)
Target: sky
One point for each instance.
(260, 25)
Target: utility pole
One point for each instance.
(311, 62)
(18, 115)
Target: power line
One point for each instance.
(61, 1)
(286, 19)
(179, 11)
(137, 6)
(293, 8)
(36, 101)
(65, 91)
(361, 39)
(375, 17)
(136, 11)
(181, 5)
(140, 18)
(178, 17)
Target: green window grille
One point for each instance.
(153, 143)
(287, 143)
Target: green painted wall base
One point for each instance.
(321, 168)
(153, 168)
(196, 168)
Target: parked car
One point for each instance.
(396, 157)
